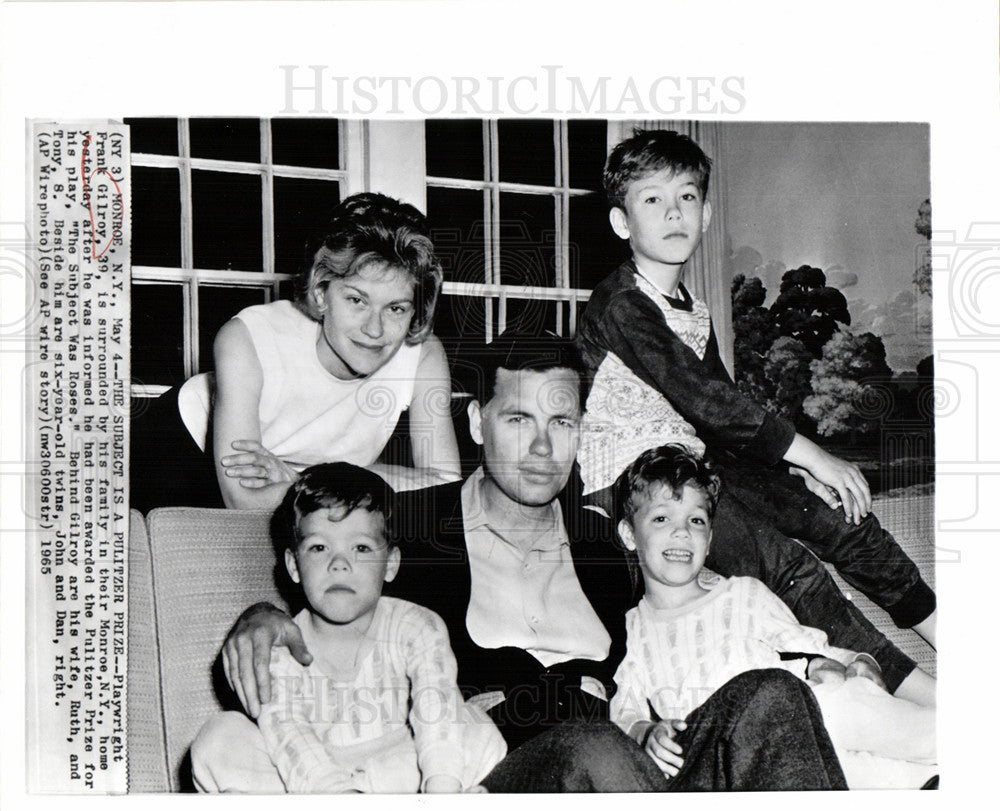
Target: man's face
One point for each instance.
(530, 431)
(664, 217)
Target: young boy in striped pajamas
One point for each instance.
(378, 709)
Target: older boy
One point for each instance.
(657, 377)
(534, 598)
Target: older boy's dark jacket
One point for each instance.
(435, 573)
(620, 318)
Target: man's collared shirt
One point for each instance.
(525, 592)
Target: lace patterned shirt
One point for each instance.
(656, 377)
(678, 657)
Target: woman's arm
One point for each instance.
(251, 480)
(432, 433)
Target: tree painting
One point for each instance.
(850, 385)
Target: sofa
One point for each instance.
(191, 572)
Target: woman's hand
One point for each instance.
(255, 466)
(253, 478)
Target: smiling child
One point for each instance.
(693, 631)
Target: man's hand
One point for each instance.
(822, 670)
(662, 748)
(246, 655)
(255, 466)
(861, 668)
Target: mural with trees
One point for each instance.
(800, 359)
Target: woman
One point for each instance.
(326, 377)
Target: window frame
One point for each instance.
(491, 187)
(389, 156)
(352, 151)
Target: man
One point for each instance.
(534, 595)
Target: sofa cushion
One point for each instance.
(206, 566)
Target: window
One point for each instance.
(222, 211)
(223, 208)
(519, 222)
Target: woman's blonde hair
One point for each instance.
(373, 230)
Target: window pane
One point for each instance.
(594, 250)
(456, 225)
(454, 149)
(527, 239)
(156, 217)
(157, 334)
(532, 317)
(588, 149)
(302, 211)
(216, 305)
(460, 323)
(227, 221)
(311, 142)
(232, 139)
(527, 152)
(153, 135)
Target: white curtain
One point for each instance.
(707, 273)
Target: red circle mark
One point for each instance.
(86, 193)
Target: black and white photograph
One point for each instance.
(536, 426)
(560, 264)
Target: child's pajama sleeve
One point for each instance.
(630, 703)
(286, 723)
(436, 700)
(784, 632)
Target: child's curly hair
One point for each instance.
(672, 466)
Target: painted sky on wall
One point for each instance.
(841, 197)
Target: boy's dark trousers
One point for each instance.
(867, 556)
(756, 514)
(761, 731)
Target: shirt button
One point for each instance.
(534, 620)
